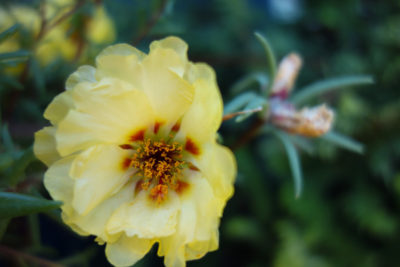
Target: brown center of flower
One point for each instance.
(159, 164)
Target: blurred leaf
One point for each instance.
(294, 161)
(3, 226)
(271, 60)
(6, 138)
(344, 142)
(14, 204)
(38, 77)
(246, 82)
(329, 85)
(239, 102)
(9, 32)
(303, 143)
(13, 55)
(18, 168)
(6, 160)
(10, 82)
(244, 229)
(254, 106)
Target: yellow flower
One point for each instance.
(132, 153)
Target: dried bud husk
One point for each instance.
(287, 73)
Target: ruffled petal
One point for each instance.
(96, 220)
(98, 173)
(121, 61)
(127, 250)
(59, 107)
(203, 118)
(169, 94)
(45, 146)
(145, 218)
(83, 74)
(221, 173)
(103, 116)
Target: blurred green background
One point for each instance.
(348, 213)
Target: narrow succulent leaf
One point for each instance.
(9, 32)
(294, 161)
(344, 142)
(329, 85)
(6, 159)
(248, 81)
(6, 138)
(14, 205)
(254, 106)
(239, 102)
(271, 60)
(13, 55)
(17, 170)
(303, 143)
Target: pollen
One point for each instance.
(160, 165)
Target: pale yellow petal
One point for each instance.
(98, 174)
(145, 218)
(175, 61)
(127, 250)
(121, 61)
(104, 117)
(169, 94)
(96, 220)
(218, 165)
(59, 184)
(83, 74)
(203, 118)
(44, 146)
(59, 107)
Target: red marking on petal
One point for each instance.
(176, 127)
(181, 186)
(193, 167)
(191, 147)
(157, 126)
(126, 146)
(126, 163)
(138, 136)
(138, 186)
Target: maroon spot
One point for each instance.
(181, 186)
(138, 186)
(193, 167)
(176, 127)
(126, 163)
(191, 147)
(157, 127)
(126, 146)
(138, 136)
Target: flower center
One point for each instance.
(159, 164)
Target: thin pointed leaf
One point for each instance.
(3, 226)
(329, 85)
(17, 171)
(294, 161)
(254, 106)
(271, 60)
(239, 102)
(14, 205)
(7, 33)
(14, 55)
(6, 138)
(344, 142)
(246, 82)
(303, 143)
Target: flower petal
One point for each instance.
(104, 117)
(121, 61)
(127, 250)
(93, 184)
(169, 94)
(96, 220)
(59, 107)
(45, 145)
(83, 74)
(145, 218)
(204, 116)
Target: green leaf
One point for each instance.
(18, 168)
(3, 226)
(294, 160)
(254, 106)
(271, 60)
(239, 102)
(6, 138)
(14, 204)
(246, 82)
(343, 141)
(6, 159)
(329, 85)
(13, 55)
(9, 32)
